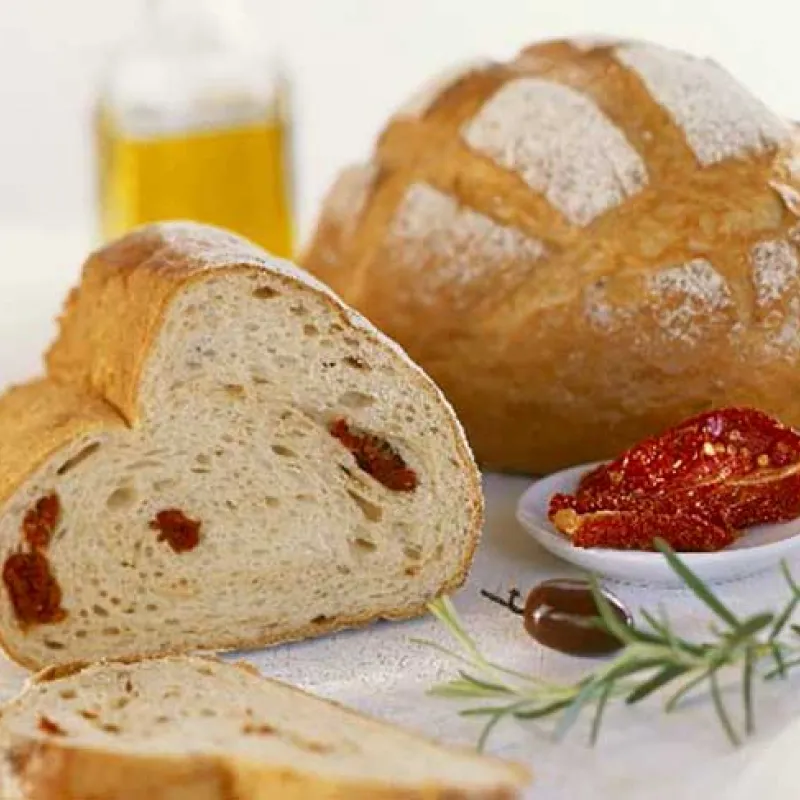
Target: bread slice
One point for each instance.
(188, 728)
(221, 456)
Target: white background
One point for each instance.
(352, 61)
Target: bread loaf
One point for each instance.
(196, 729)
(582, 246)
(222, 455)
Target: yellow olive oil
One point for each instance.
(233, 176)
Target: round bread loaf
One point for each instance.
(582, 246)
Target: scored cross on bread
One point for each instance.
(222, 455)
(196, 729)
(583, 245)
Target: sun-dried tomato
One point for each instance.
(696, 485)
(33, 589)
(376, 457)
(176, 529)
(39, 522)
(46, 725)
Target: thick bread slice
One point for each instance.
(186, 728)
(223, 455)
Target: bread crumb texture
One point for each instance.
(222, 455)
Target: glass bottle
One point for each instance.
(192, 123)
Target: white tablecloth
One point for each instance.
(643, 753)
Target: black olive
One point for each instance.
(562, 614)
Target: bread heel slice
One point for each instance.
(187, 727)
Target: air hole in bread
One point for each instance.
(412, 552)
(200, 470)
(265, 293)
(161, 719)
(260, 379)
(231, 505)
(272, 502)
(356, 363)
(298, 309)
(110, 727)
(111, 631)
(343, 569)
(207, 712)
(258, 729)
(351, 341)
(438, 551)
(371, 511)
(335, 327)
(356, 400)
(282, 450)
(121, 498)
(206, 671)
(99, 610)
(320, 619)
(363, 545)
(235, 390)
(327, 344)
(120, 702)
(103, 593)
(413, 570)
(151, 607)
(89, 714)
(304, 498)
(67, 694)
(310, 330)
(78, 458)
(52, 644)
(80, 634)
(145, 463)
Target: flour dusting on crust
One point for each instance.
(776, 281)
(775, 270)
(685, 295)
(588, 43)
(348, 195)
(423, 99)
(719, 117)
(561, 144)
(468, 246)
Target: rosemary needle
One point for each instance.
(654, 659)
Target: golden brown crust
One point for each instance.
(537, 382)
(38, 419)
(49, 771)
(108, 329)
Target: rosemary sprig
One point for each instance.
(654, 659)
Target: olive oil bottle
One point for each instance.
(193, 123)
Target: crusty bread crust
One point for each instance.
(109, 327)
(49, 770)
(572, 350)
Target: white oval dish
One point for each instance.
(757, 549)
